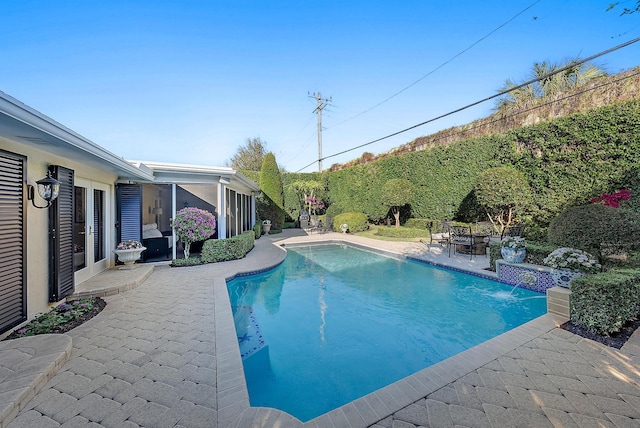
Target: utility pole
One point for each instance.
(322, 103)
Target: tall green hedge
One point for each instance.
(565, 161)
(271, 201)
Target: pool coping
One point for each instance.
(234, 409)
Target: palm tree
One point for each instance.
(549, 82)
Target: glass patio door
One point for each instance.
(90, 242)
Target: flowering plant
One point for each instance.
(129, 245)
(193, 224)
(613, 199)
(514, 242)
(266, 221)
(314, 205)
(571, 258)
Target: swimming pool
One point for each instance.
(333, 323)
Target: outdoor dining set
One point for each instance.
(469, 240)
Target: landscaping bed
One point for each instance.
(616, 340)
(62, 318)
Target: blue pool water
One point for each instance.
(334, 323)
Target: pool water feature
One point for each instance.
(333, 323)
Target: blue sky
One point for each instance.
(190, 81)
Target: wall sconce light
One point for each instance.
(48, 189)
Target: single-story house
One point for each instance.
(49, 248)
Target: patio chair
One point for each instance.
(314, 225)
(326, 225)
(461, 237)
(442, 238)
(515, 230)
(487, 229)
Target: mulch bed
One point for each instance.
(616, 340)
(98, 306)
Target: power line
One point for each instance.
(560, 70)
(440, 66)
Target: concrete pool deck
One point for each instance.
(164, 353)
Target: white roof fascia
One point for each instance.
(33, 118)
(194, 173)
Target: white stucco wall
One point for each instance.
(37, 221)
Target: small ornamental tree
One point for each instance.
(397, 193)
(307, 190)
(192, 225)
(502, 192)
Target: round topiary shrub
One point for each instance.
(357, 222)
(333, 210)
(192, 225)
(596, 229)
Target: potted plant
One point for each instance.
(129, 252)
(569, 263)
(513, 249)
(266, 226)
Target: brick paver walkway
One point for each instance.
(557, 380)
(165, 354)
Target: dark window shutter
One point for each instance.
(129, 212)
(13, 284)
(61, 222)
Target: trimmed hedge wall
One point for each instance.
(220, 250)
(603, 303)
(566, 162)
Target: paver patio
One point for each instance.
(164, 353)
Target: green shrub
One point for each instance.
(596, 229)
(191, 261)
(220, 250)
(604, 302)
(357, 222)
(536, 252)
(257, 229)
(401, 232)
(333, 210)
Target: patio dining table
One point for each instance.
(479, 245)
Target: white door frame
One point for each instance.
(93, 268)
